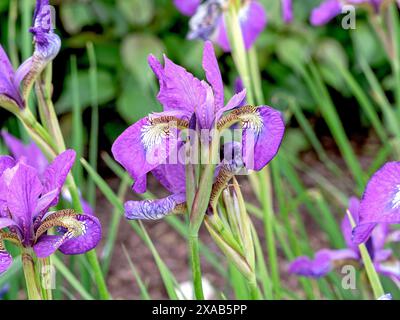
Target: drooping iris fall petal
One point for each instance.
(263, 130)
(328, 10)
(380, 202)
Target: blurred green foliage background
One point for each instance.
(124, 32)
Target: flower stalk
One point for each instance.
(32, 284)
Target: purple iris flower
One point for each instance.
(15, 85)
(329, 9)
(287, 10)
(207, 20)
(325, 259)
(25, 219)
(151, 144)
(34, 157)
(380, 202)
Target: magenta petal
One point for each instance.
(205, 113)
(253, 20)
(325, 12)
(213, 74)
(380, 202)
(46, 201)
(139, 155)
(56, 173)
(187, 7)
(85, 242)
(261, 141)
(5, 261)
(153, 209)
(7, 86)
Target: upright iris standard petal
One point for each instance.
(263, 130)
(380, 202)
(213, 74)
(31, 154)
(179, 89)
(325, 12)
(287, 10)
(153, 209)
(322, 264)
(23, 194)
(56, 173)
(187, 7)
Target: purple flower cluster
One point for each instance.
(378, 208)
(207, 19)
(150, 145)
(26, 197)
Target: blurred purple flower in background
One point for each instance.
(148, 144)
(329, 9)
(47, 46)
(33, 156)
(25, 199)
(207, 20)
(325, 259)
(380, 202)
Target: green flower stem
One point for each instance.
(196, 267)
(373, 276)
(28, 266)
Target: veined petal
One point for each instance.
(23, 194)
(6, 162)
(171, 176)
(143, 146)
(322, 263)
(6, 222)
(153, 209)
(187, 7)
(205, 113)
(56, 173)
(380, 202)
(325, 12)
(213, 74)
(263, 130)
(87, 240)
(32, 155)
(179, 89)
